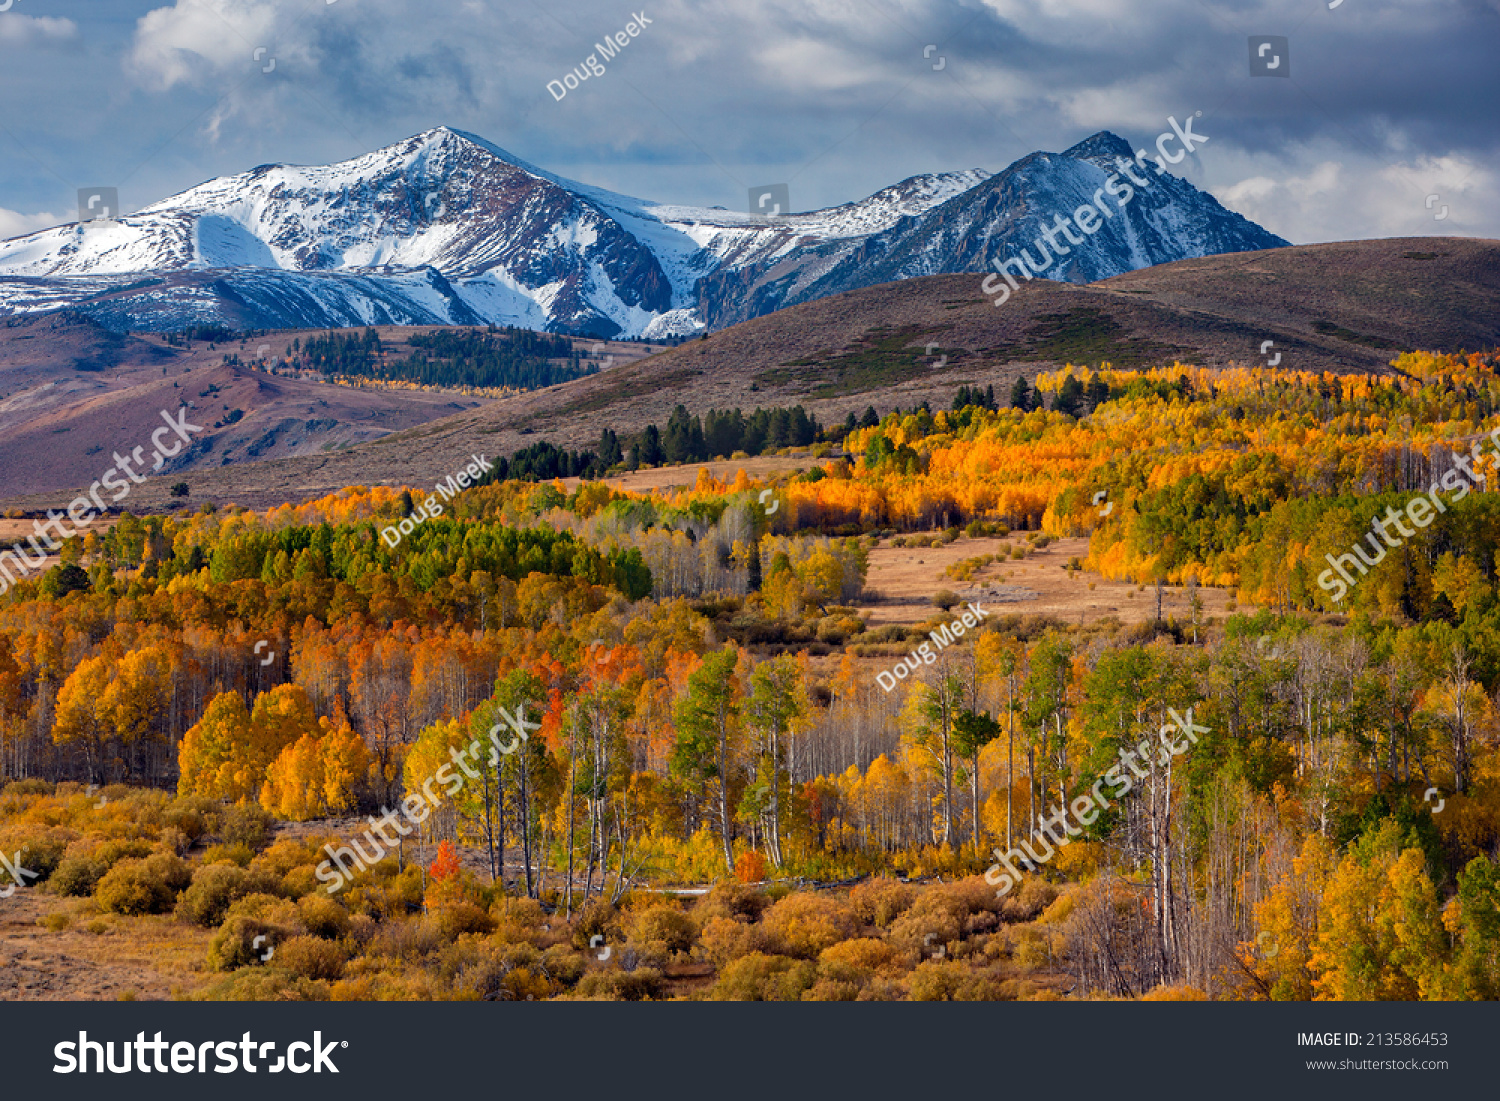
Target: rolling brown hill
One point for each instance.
(72, 393)
(1345, 307)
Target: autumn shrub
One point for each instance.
(285, 854)
(272, 908)
(858, 958)
(242, 941)
(300, 882)
(215, 887)
(1181, 993)
(503, 971)
(846, 968)
(927, 925)
(641, 985)
(974, 901)
(472, 969)
(77, 876)
(525, 984)
(238, 854)
(762, 978)
(194, 815)
(29, 787)
(736, 901)
(369, 987)
(1061, 908)
(805, 923)
(38, 853)
(208, 897)
(362, 928)
(663, 924)
(55, 923)
(1032, 949)
(723, 939)
(563, 965)
(146, 805)
(323, 917)
(832, 632)
(518, 920)
(143, 886)
(385, 891)
(247, 824)
(775, 892)
(458, 918)
(310, 957)
(408, 939)
(945, 599)
(949, 981)
(110, 853)
(881, 901)
(263, 984)
(294, 862)
(597, 919)
(173, 840)
(1035, 895)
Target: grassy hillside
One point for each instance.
(1346, 308)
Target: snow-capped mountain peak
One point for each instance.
(507, 242)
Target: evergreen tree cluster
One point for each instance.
(340, 353)
(1076, 399)
(1073, 397)
(212, 334)
(719, 434)
(869, 419)
(495, 357)
(688, 438)
(966, 397)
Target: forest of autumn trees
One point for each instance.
(703, 677)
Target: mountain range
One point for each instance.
(445, 228)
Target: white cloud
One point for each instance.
(1335, 201)
(197, 39)
(25, 30)
(14, 224)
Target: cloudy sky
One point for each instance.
(1387, 119)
